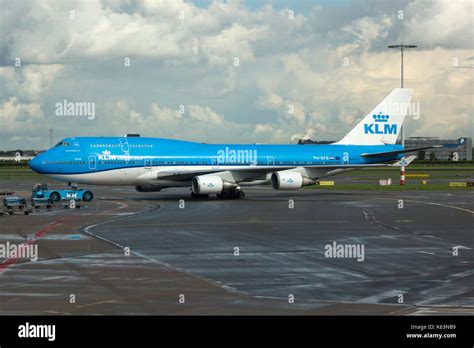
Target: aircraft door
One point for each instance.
(147, 163)
(124, 145)
(92, 163)
(345, 158)
(215, 162)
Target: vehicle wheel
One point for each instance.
(87, 196)
(224, 195)
(194, 195)
(55, 197)
(240, 194)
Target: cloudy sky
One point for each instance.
(229, 71)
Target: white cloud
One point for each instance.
(196, 123)
(291, 82)
(263, 128)
(19, 118)
(154, 30)
(30, 82)
(164, 117)
(440, 23)
(288, 110)
(205, 114)
(338, 97)
(366, 29)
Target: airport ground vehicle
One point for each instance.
(38, 202)
(14, 201)
(41, 191)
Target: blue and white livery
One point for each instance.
(152, 164)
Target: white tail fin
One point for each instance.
(382, 125)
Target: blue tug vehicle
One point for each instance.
(41, 193)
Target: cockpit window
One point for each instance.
(62, 143)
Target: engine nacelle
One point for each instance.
(148, 188)
(289, 180)
(204, 185)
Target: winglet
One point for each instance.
(404, 162)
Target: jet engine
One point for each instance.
(209, 184)
(289, 180)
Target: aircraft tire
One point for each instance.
(87, 196)
(223, 195)
(55, 196)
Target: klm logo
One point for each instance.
(380, 126)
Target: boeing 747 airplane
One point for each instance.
(153, 164)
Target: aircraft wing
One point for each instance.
(388, 153)
(261, 173)
(240, 173)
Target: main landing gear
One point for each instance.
(232, 194)
(197, 195)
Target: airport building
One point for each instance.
(17, 155)
(451, 150)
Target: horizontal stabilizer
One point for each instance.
(404, 162)
(396, 152)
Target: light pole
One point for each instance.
(402, 132)
(402, 47)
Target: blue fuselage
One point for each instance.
(83, 155)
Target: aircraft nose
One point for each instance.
(36, 164)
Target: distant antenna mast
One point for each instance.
(402, 47)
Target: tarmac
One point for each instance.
(128, 252)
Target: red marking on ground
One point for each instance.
(8, 262)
